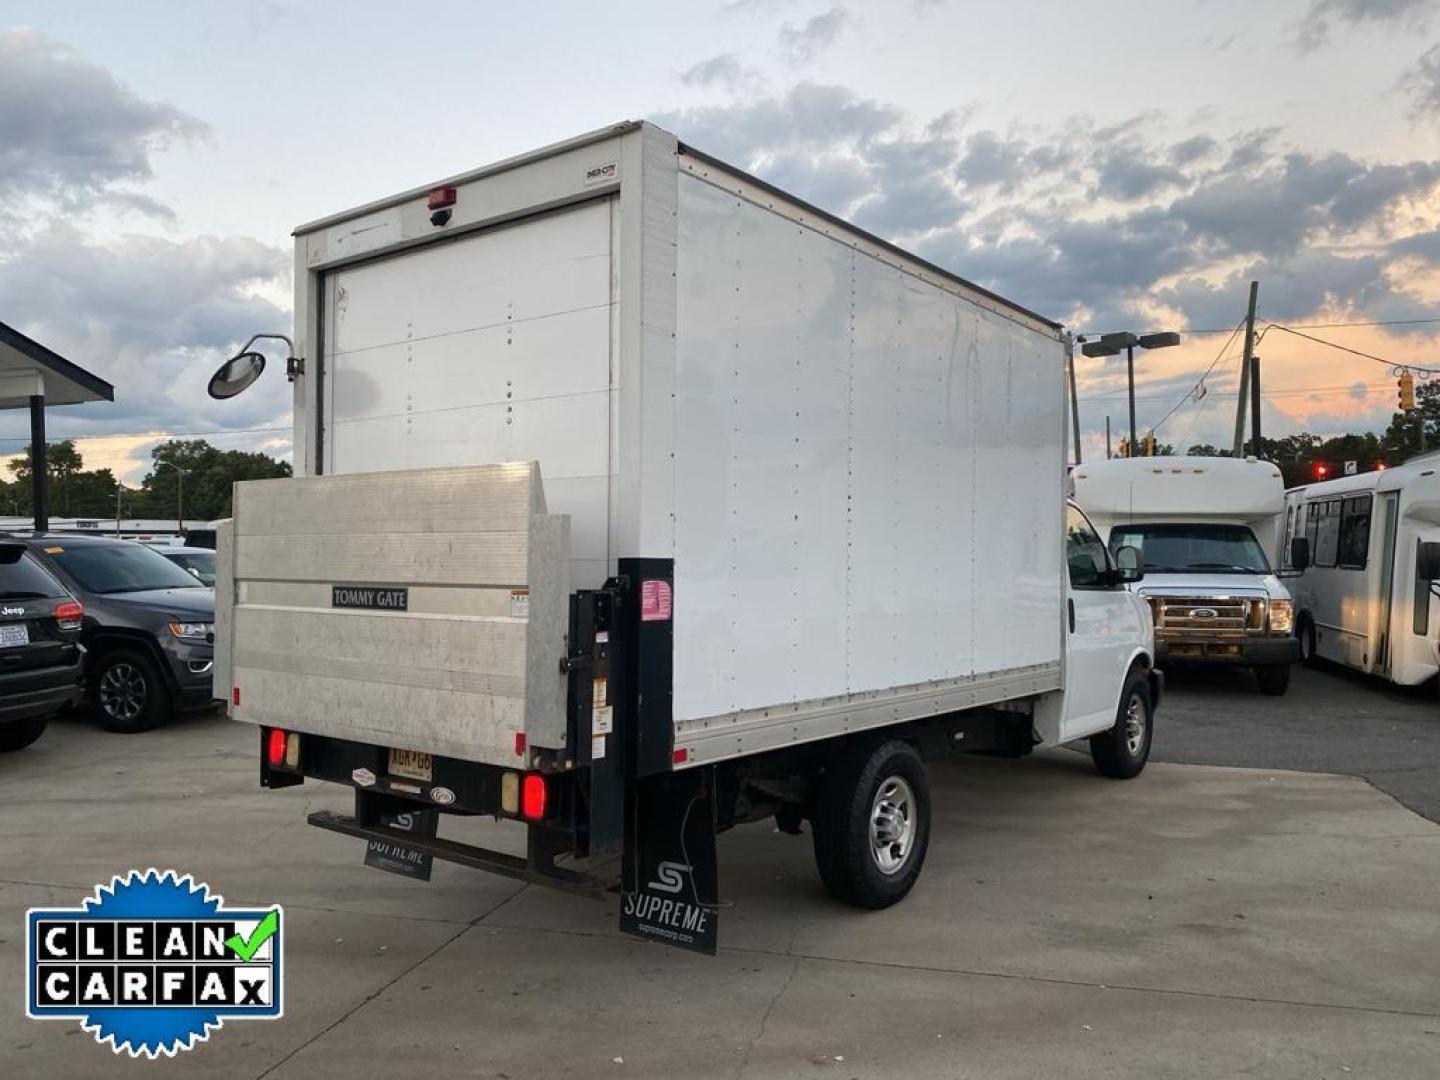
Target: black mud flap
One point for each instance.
(670, 886)
(398, 859)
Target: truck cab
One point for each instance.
(1207, 532)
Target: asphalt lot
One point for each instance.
(1331, 721)
(1198, 921)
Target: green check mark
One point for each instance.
(245, 948)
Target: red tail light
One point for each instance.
(70, 615)
(533, 796)
(275, 747)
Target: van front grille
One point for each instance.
(1207, 616)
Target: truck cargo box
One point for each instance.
(853, 458)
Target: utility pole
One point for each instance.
(1108, 454)
(1245, 365)
(1255, 404)
(119, 487)
(1130, 369)
(180, 502)
(1074, 398)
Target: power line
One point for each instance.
(1291, 391)
(1198, 382)
(1373, 322)
(1301, 326)
(1348, 349)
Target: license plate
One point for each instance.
(415, 764)
(13, 635)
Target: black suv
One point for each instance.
(40, 655)
(149, 627)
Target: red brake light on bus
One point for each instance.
(533, 796)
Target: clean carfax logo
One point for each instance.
(153, 962)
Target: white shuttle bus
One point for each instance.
(1209, 531)
(1366, 599)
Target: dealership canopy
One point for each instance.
(32, 376)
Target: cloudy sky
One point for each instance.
(1113, 164)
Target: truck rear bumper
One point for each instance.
(537, 867)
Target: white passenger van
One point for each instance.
(1208, 530)
(1366, 599)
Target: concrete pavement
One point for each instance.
(1198, 921)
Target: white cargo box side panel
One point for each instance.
(470, 662)
(494, 346)
(868, 486)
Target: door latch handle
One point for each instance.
(1070, 608)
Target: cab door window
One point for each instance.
(1085, 555)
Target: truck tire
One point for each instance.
(872, 824)
(1122, 751)
(127, 692)
(21, 733)
(1273, 679)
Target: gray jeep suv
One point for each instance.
(149, 627)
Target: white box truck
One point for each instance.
(1366, 599)
(1208, 532)
(637, 499)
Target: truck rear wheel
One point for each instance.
(872, 824)
(1273, 680)
(1121, 752)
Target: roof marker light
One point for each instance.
(440, 198)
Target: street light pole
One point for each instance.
(1074, 398)
(1111, 344)
(179, 493)
(1130, 375)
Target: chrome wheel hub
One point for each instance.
(122, 691)
(1135, 725)
(892, 824)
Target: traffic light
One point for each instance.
(1321, 470)
(1149, 444)
(1406, 383)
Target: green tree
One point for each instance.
(209, 474)
(62, 464)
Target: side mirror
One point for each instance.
(236, 375)
(1427, 561)
(1300, 553)
(1129, 563)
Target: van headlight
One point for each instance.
(1282, 616)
